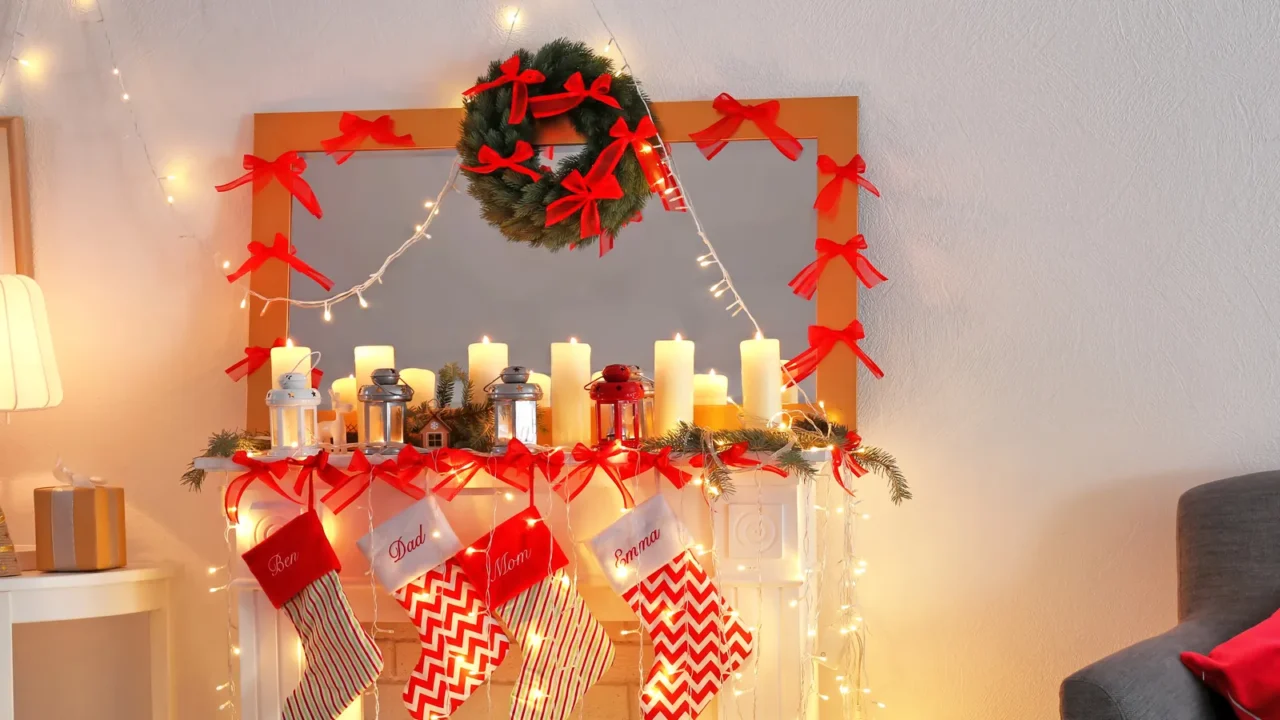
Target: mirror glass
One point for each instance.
(468, 280)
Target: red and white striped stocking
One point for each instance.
(698, 640)
(566, 650)
(298, 571)
(461, 642)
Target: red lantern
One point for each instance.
(619, 397)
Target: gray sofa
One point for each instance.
(1228, 580)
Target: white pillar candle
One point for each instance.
(345, 389)
(710, 389)
(761, 380)
(790, 395)
(673, 383)
(289, 359)
(423, 383)
(543, 381)
(368, 359)
(570, 403)
(485, 362)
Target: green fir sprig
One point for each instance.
(224, 444)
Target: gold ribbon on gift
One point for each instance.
(80, 524)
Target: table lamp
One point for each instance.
(28, 372)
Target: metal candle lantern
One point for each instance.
(293, 416)
(619, 396)
(515, 408)
(386, 403)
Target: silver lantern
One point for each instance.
(385, 403)
(515, 408)
(293, 409)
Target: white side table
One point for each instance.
(44, 597)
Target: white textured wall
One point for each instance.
(1080, 223)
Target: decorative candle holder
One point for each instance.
(619, 397)
(515, 408)
(293, 408)
(385, 405)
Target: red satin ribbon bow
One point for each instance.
(603, 458)
(268, 472)
(514, 467)
(551, 463)
(736, 456)
(575, 92)
(364, 472)
(586, 194)
(287, 169)
(410, 463)
(356, 129)
(842, 456)
(283, 251)
(805, 283)
(637, 140)
(456, 468)
(519, 79)
(254, 358)
(851, 171)
(316, 466)
(765, 116)
(661, 461)
(491, 161)
(821, 341)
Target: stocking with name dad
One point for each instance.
(520, 569)
(698, 640)
(412, 556)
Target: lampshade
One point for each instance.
(28, 372)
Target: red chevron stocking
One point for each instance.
(698, 640)
(461, 642)
(565, 649)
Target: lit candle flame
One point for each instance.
(759, 335)
(485, 339)
(678, 338)
(713, 371)
(288, 343)
(573, 341)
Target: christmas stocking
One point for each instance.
(411, 555)
(519, 566)
(698, 641)
(298, 571)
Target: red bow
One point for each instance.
(821, 341)
(601, 458)
(661, 461)
(736, 456)
(852, 171)
(551, 463)
(344, 493)
(456, 468)
(765, 115)
(316, 465)
(637, 140)
(254, 358)
(843, 455)
(575, 92)
(287, 169)
(519, 79)
(805, 283)
(284, 252)
(586, 192)
(410, 463)
(491, 161)
(356, 129)
(268, 472)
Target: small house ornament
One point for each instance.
(386, 404)
(515, 408)
(619, 397)
(293, 408)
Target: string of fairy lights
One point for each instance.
(849, 669)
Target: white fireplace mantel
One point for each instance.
(763, 539)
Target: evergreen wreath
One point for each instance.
(515, 203)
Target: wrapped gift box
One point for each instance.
(79, 528)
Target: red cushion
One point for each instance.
(1245, 669)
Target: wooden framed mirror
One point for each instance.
(825, 126)
(15, 199)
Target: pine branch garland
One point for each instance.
(224, 444)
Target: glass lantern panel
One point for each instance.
(605, 421)
(628, 429)
(397, 423)
(504, 421)
(277, 427)
(524, 424)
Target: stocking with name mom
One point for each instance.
(520, 569)
(412, 557)
(698, 641)
(298, 571)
